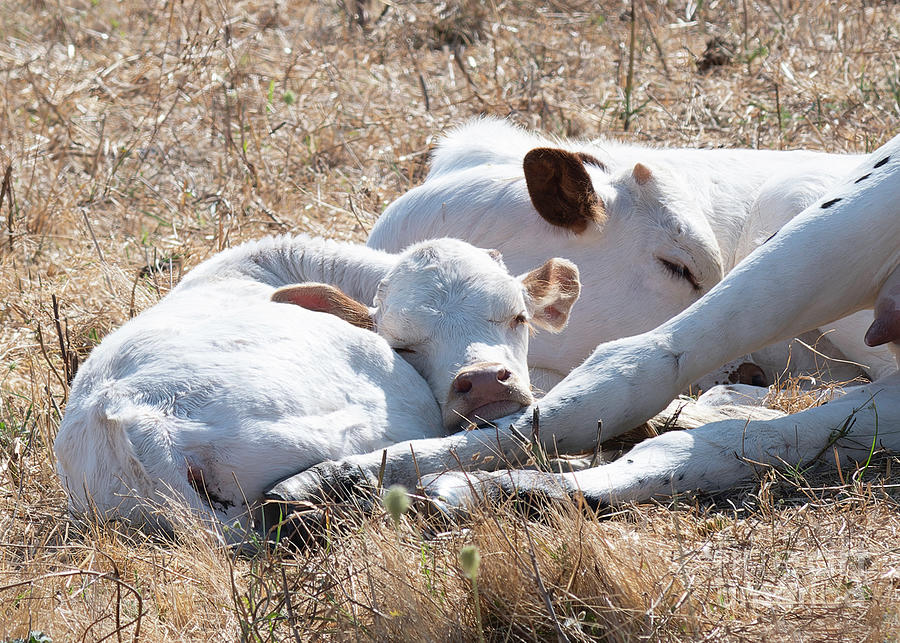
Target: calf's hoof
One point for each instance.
(455, 494)
(306, 507)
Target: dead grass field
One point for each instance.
(140, 137)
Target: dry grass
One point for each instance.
(141, 137)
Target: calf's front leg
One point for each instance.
(356, 477)
(710, 458)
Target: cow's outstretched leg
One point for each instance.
(710, 458)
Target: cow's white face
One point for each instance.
(456, 314)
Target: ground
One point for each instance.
(137, 138)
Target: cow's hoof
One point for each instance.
(455, 494)
(451, 495)
(305, 508)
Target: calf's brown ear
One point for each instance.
(642, 174)
(560, 188)
(552, 289)
(326, 299)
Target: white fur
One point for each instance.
(220, 382)
(709, 209)
(832, 260)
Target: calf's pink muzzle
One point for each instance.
(484, 392)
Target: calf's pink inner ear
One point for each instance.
(641, 174)
(553, 289)
(326, 299)
(561, 189)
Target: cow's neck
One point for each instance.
(356, 270)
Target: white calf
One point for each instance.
(652, 230)
(839, 256)
(220, 390)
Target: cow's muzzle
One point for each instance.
(483, 392)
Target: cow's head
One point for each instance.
(577, 192)
(638, 231)
(455, 313)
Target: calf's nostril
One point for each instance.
(462, 385)
(503, 375)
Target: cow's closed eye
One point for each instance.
(514, 322)
(681, 271)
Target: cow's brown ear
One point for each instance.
(561, 189)
(326, 299)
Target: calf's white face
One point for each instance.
(456, 314)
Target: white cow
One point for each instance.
(220, 389)
(652, 230)
(839, 256)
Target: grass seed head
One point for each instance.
(470, 560)
(396, 502)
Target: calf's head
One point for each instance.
(455, 313)
(639, 232)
